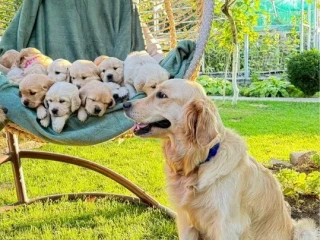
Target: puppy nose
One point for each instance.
(110, 76)
(26, 102)
(5, 110)
(54, 111)
(97, 110)
(78, 86)
(127, 105)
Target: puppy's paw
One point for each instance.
(123, 92)
(58, 124)
(45, 121)
(41, 112)
(82, 114)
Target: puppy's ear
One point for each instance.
(46, 104)
(201, 122)
(112, 103)
(68, 76)
(46, 85)
(83, 96)
(139, 83)
(75, 103)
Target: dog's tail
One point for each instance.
(305, 229)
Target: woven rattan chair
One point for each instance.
(167, 22)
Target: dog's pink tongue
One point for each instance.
(138, 126)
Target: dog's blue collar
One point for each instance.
(212, 152)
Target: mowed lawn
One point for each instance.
(271, 129)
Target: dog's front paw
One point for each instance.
(82, 114)
(45, 121)
(58, 124)
(123, 92)
(41, 112)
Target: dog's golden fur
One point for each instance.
(231, 196)
(8, 60)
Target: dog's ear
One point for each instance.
(46, 104)
(139, 82)
(46, 85)
(68, 76)
(83, 96)
(112, 103)
(75, 103)
(201, 122)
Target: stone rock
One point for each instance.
(280, 164)
(298, 157)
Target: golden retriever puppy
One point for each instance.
(142, 73)
(96, 98)
(82, 72)
(58, 70)
(33, 89)
(62, 100)
(217, 189)
(111, 72)
(9, 60)
(99, 59)
(3, 116)
(31, 61)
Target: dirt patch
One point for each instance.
(305, 206)
(302, 206)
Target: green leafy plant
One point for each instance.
(294, 183)
(316, 159)
(214, 86)
(272, 87)
(303, 71)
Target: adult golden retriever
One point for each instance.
(219, 192)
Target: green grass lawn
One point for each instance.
(271, 129)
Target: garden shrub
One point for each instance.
(303, 71)
(294, 183)
(272, 87)
(214, 86)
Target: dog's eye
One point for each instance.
(57, 72)
(83, 78)
(115, 68)
(61, 101)
(103, 70)
(161, 95)
(50, 100)
(153, 87)
(32, 93)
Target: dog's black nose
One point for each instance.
(54, 111)
(78, 86)
(97, 110)
(26, 102)
(127, 105)
(110, 76)
(5, 110)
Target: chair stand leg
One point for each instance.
(19, 182)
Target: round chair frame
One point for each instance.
(15, 155)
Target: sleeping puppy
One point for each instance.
(217, 189)
(62, 100)
(31, 61)
(9, 60)
(99, 59)
(111, 72)
(58, 70)
(96, 98)
(3, 116)
(33, 89)
(142, 73)
(82, 72)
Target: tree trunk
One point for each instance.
(235, 56)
